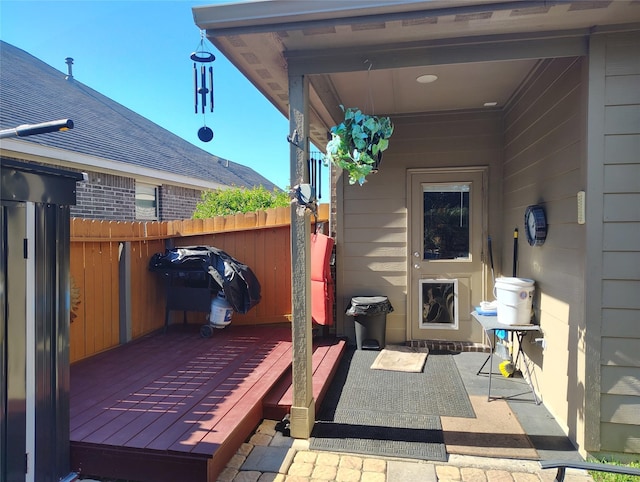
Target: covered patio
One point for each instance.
(177, 406)
(514, 105)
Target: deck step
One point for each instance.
(326, 358)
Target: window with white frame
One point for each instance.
(146, 201)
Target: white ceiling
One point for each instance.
(459, 86)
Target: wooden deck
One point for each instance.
(177, 406)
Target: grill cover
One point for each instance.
(240, 285)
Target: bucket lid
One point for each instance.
(521, 282)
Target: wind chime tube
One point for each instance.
(195, 86)
(203, 88)
(312, 171)
(319, 179)
(211, 87)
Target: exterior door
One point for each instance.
(446, 233)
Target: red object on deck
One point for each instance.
(322, 290)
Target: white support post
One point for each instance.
(303, 407)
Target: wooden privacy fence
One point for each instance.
(115, 298)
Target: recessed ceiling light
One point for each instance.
(427, 79)
(490, 104)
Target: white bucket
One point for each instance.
(221, 311)
(514, 296)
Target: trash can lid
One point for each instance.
(368, 305)
(368, 300)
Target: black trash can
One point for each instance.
(370, 317)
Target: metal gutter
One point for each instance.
(211, 18)
(34, 152)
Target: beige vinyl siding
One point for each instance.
(544, 164)
(620, 328)
(372, 248)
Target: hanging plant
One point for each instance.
(357, 144)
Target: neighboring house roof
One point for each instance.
(105, 132)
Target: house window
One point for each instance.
(146, 201)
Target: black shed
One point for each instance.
(34, 324)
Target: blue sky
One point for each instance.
(137, 53)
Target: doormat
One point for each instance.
(495, 432)
(401, 358)
(386, 434)
(390, 413)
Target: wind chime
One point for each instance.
(203, 85)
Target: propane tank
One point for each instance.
(221, 311)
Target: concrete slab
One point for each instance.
(401, 471)
(280, 440)
(269, 459)
(542, 429)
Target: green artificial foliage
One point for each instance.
(357, 144)
(609, 477)
(221, 202)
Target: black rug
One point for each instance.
(390, 413)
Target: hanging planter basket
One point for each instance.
(357, 143)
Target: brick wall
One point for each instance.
(112, 197)
(177, 202)
(105, 196)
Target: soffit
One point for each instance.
(369, 54)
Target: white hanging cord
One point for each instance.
(369, 101)
(200, 47)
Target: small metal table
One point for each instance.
(490, 324)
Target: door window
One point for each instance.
(446, 221)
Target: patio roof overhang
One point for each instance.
(369, 54)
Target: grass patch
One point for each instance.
(607, 477)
